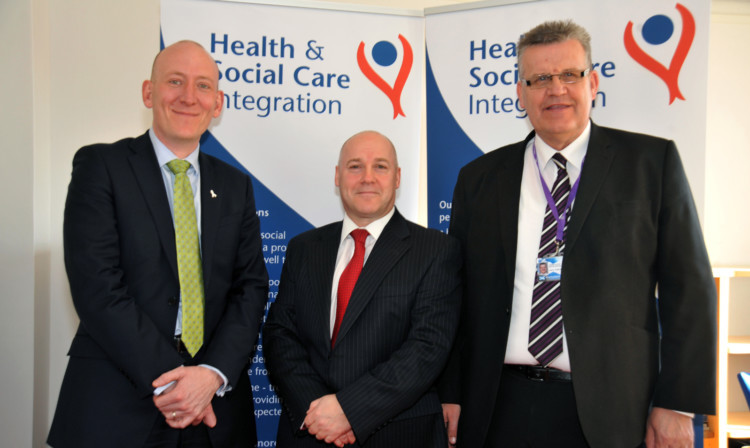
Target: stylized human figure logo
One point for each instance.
(384, 54)
(657, 30)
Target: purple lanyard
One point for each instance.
(560, 219)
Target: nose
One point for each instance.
(556, 86)
(368, 175)
(189, 93)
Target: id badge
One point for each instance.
(549, 269)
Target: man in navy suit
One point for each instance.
(589, 358)
(362, 369)
(131, 380)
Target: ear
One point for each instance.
(518, 93)
(219, 103)
(336, 178)
(398, 177)
(146, 91)
(594, 83)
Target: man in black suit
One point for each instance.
(146, 367)
(358, 363)
(578, 360)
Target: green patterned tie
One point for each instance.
(188, 258)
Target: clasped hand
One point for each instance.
(326, 420)
(188, 401)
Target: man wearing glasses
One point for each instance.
(587, 357)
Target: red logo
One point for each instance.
(384, 54)
(657, 30)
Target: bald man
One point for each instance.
(164, 260)
(357, 363)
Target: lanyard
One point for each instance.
(559, 219)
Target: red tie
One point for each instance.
(349, 279)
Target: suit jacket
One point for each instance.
(633, 228)
(393, 341)
(121, 262)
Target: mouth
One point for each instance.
(557, 107)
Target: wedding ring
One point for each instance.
(174, 414)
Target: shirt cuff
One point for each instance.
(224, 387)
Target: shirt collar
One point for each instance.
(574, 153)
(375, 228)
(164, 155)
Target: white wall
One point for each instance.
(16, 228)
(728, 136)
(71, 76)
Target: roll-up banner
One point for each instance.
(297, 83)
(651, 56)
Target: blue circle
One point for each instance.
(658, 29)
(384, 53)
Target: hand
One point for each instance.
(189, 400)
(451, 412)
(668, 429)
(346, 439)
(326, 420)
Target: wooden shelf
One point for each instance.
(738, 425)
(738, 345)
(725, 424)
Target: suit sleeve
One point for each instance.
(449, 383)
(396, 384)
(687, 300)
(109, 315)
(234, 337)
(286, 355)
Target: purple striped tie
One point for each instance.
(545, 327)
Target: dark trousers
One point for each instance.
(530, 413)
(164, 436)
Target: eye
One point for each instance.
(569, 76)
(204, 86)
(175, 82)
(542, 79)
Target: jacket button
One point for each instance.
(172, 301)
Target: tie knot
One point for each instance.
(359, 235)
(560, 160)
(178, 166)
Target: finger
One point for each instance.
(167, 377)
(210, 418)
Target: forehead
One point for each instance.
(552, 57)
(368, 147)
(185, 59)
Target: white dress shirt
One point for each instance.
(346, 251)
(531, 208)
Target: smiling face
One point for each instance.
(184, 94)
(560, 112)
(368, 176)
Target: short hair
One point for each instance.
(553, 32)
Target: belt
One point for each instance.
(539, 373)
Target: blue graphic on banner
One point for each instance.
(278, 224)
(448, 150)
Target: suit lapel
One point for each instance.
(596, 167)
(389, 248)
(211, 197)
(322, 263)
(509, 195)
(148, 175)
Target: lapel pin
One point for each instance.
(213, 195)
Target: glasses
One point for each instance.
(566, 77)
